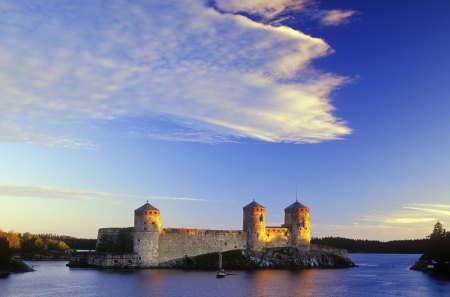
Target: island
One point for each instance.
(148, 245)
(436, 258)
(8, 264)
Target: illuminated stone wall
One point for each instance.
(177, 243)
(275, 237)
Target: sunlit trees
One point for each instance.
(14, 240)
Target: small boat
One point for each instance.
(221, 272)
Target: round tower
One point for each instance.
(147, 224)
(296, 218)
(254, 225)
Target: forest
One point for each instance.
(39, 246)
(407, 246)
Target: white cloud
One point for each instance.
(336, 17)
(265, 8)
(222, 75)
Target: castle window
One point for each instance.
(145, 228)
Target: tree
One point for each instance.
(39, 245)
(14, 240)
(438, 245)
(438, 231)
(62, 246)
(125, 241)
(106, 244)
(5, 252)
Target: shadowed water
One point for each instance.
(377, 275)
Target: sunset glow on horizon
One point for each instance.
(202, 106)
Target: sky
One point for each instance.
(201, 106)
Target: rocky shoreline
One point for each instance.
(15, 266)
(272, 258)
(431, 266)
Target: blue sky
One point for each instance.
(201, 106)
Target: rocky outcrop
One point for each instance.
(432, 266)
(282, 257)
(15, 266)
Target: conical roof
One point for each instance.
(254, 204)
(146, 206)
(296, 205)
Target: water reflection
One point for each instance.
(378, 275)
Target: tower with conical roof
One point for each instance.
(254, 225)
(296, 219)
(147, 224)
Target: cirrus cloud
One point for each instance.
(60, 193)
(222, 76)
(336, 17)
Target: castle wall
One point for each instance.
(275, 237)
(153, 244)
(101, 260)
(177, 243)
(113, 232)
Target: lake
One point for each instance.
(377, 275)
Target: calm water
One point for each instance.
(377, 275)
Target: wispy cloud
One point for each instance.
(435, 210)
(48, 192)
(411, 221)
(411, 214)
(80, 194)
(222, 75)
(336, 17)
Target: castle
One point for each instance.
(154, 245)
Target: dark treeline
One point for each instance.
(439, 246)
(73, 242)
(410, 246)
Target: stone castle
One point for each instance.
(154, 245)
